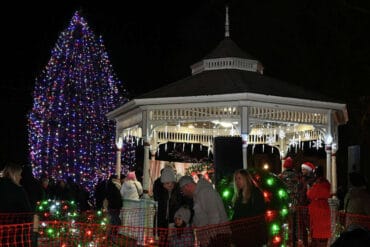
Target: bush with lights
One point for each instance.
(58, 221)
(276, 198)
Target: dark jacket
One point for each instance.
(158, 189)
(32, 186)
(175, 200)
(14, 199)
(254, 207)
(114, 197)
(99, 194)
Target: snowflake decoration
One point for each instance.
(270, 140)
(293, 142)
(281, 134)
(259, 133)
(317, 144)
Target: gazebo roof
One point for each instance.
(228, 48)
(229, 81)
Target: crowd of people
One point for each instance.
(184, 202)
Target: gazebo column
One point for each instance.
(328, 162)
(244, 129)
(328, 143)
(119, 144)
(146, 169)
(146, 138)
(333, 201)
(334, 169)
(282, 151)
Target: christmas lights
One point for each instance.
(69, 134)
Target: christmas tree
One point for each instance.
(69, 134)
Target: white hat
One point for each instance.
(168, 175)
(184, 214)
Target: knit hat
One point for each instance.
(308, 165)
(184, 214)
(288, 163)
(131, 176)
(184, 180)
(168, 175)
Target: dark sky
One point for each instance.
(320, 45)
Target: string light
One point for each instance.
(69, 134)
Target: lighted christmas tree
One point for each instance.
(69, 134)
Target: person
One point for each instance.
(353, 236)
(357, 199)
(158, 188)
(131, 189)
(291, 179)
(14, 199)
(114, 200)
(32, 186)
(99, 193)
(46, 190)
(208, 210)
(63, 191)
(169, 201)
(180, 234)
(305, 181)
(318, 209)
(208, 206)
(248, 201)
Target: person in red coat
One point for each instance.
(319, 210)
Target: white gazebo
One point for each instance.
(228, 95)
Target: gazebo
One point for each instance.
(228, 95)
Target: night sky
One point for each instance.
(320, 45)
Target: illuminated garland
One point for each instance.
(276, 198)
(58, 221)
(199, 168)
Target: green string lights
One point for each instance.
(276, 198)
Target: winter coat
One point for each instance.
(168, 204)
(158, 189)
(131, 190)
(254, 207)
(114, 196)
(208, 206)
(32, 186)
(14, 199)
(99, 194)
(180, 237)
(318, 208)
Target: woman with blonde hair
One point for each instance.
(15, 201)
(248, 202)
(14, 196)
(248, 199)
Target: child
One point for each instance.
(180, 234)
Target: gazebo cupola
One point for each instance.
(227, 55)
